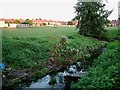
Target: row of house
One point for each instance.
(48, 22)
(13, 23)
(35, 23)
(9, 23)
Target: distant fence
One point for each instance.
(24, 25)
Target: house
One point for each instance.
(114, 23)
(56, 23)
(8, 23)
(51, 22)
(37, 23)
(7, 20)
(45, 22)
(13, 23)
(2, 24)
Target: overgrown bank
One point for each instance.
(27, 58)
(25, 52)
(105, 71)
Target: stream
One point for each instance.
(59, 76)
(61, 83)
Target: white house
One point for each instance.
(2, 24)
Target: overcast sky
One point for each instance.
(46, 9)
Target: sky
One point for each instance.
(46, 9)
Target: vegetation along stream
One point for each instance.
(34, 62)
(62, 78)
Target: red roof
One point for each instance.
(43, 21)
(11, 20)
(21, 20)
(7, 20)
(34, 21)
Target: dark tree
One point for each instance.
(69, 23)
(28, 21)
(92, 17)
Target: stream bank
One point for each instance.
(57, 73)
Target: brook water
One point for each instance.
(59, 76)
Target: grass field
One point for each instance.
(45, 33)
(49, 32)
(39, 32)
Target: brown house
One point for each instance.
(114, 23)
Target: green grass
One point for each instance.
(49, 32)
(45, 33)
(104, 72)
(25, 48)
(39, 32)
(112, 33)
(32, 46)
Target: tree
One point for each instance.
(44, 24)
(40, 18)
(69, 23)
(92, 17)
(27, 21)
(17, 21)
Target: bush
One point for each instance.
(69, 50)
(104, 73)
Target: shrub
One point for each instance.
(104, 72)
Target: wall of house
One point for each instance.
(24, 25)
(13, 25)
(2, 23)
(6, 25)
